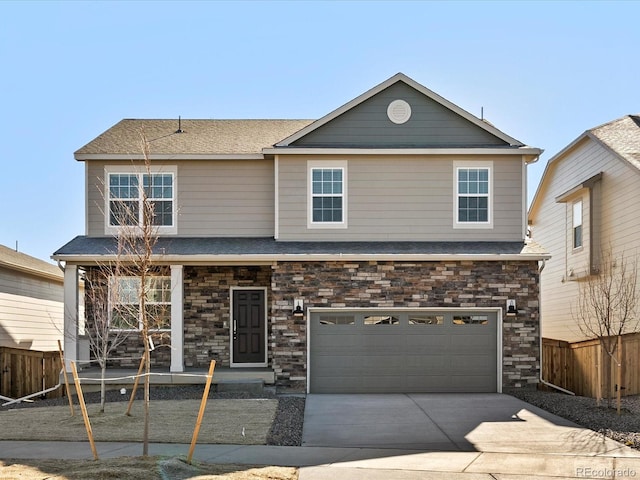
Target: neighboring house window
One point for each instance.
(127, 192)
(126, 313)
(327, 187)
(577, 224)
(473, 196)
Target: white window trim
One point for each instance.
(313, 164)
(129, 169)
(574, 225)
(472, 225)
(112, 280)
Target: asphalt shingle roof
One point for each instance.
(88, 246)
(622, 136)
(13, 260)
(198, 136)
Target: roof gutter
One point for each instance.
(531, 153)
(308, 257)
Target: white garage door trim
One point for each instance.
(497, 311)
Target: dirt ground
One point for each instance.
(229, 421)
(137, 468)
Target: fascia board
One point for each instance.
(172, 156)
(259, 259)
(387, 83)
(529, 151)
(33, 271)
(551, 164)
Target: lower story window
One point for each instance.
(126, 310)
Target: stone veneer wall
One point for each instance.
(464, 284)
(128, 352)
(207, 303)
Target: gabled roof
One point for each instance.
(198, 138)
(21, 262)
(400, 77)
(621, 137)
(253, 139)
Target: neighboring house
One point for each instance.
(373, 250)
(586, 205)
(31, 302)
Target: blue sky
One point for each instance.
(544, 72)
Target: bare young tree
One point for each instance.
(607, 306)
(137, 237)
(103, 338)
(130, 293)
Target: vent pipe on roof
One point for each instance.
(179, 125)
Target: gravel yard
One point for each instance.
(624, 428)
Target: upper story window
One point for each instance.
(577, 224)
(327, 194)
(473, 185)
(127, 192)
(126, 310)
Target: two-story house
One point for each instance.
(380, 248)
(583, 211)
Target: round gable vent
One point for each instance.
(399, 111)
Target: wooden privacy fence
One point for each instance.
(575, 366)
(23, 372)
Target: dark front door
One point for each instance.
(248, 326)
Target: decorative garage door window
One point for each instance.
(426, 319)
(381, 320)
(470, 320)
(337, 319)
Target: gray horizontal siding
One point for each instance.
(16, 283)
(215, 198)
(405, 198)
(430, 125)
(31, 311)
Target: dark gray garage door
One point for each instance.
(401, 351)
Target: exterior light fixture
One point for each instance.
(511, 308)
(297, 308)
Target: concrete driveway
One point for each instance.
(445, 422)
(452, 436)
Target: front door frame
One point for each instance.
(233, 364)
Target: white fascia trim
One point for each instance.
(172, 156)
(402, 151)
(259, 259)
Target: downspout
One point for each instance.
(542, 380)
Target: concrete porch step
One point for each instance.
(255, 385)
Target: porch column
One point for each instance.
(70, 315)
(177, 318)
